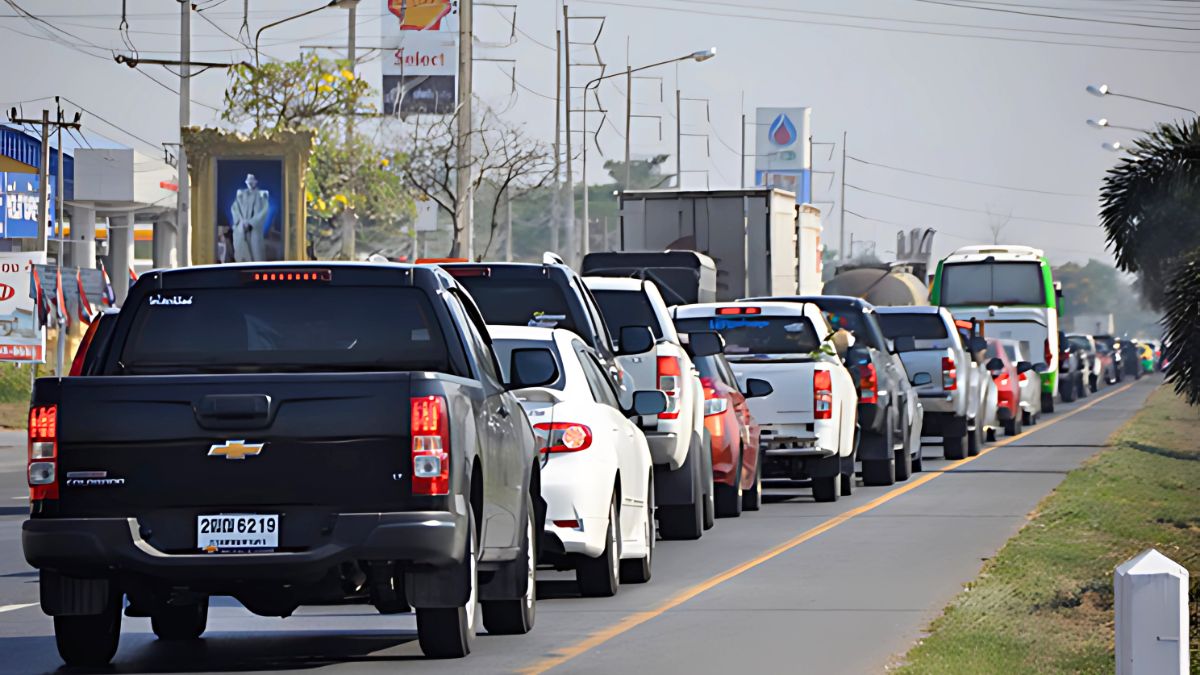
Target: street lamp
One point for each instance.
(1102, 90)
(340, 4)
(1102, 123)
(698, 56)
(1114, 146)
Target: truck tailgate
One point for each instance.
(792, 400)
(311, 439)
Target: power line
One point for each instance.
(965, 209)
(944, 3)
(967, 181)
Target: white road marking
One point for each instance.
(10, 608)
(21, 498)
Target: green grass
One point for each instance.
(1044, 604)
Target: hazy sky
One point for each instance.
(969, 89)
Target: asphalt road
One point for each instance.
(823, 588)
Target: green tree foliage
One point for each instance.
(353, 185)
(1182, 326)
(644, 174)
(1150, 205)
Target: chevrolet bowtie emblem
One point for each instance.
(235, 449)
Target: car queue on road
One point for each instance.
(550, 421)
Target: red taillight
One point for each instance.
(465, 272)
(430, 446)
(949, 374)
(563, 436)
(822, 395)
(669, 382)
(739, 310)
(868, 384)
(81, 352)
(42, 467)
(293, 275)
(1021, 377)
(570, 524)
(1048, 354)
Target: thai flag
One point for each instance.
(107, 296)
(43, 312)
(64, 317)
(85, 307)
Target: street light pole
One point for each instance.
(628, 120)
(1103, 90)
(678, 139)
(464, 207)
(842, 204)
(183, 194)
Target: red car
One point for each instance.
(1008, 387)
(734, 435)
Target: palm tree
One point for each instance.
(1150, 210)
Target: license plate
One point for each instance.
(231, 532)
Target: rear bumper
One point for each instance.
(87, 547)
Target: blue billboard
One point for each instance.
(19, 204)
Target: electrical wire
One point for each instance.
(966, 209)
(944, 3)
(967, 181)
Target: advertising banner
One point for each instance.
(249, 204)
(783, 150)
(19, 204)
(420, 63)
(21, 339)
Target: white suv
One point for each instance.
(683, 478)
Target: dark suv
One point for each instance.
(886, 403)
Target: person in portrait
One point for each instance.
(250, 216)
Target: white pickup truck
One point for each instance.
(683, 477)
(957, 392)
(808, 423)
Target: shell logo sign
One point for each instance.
(420, 14)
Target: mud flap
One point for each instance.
(677, 488)
(824, 467)
(68, 596)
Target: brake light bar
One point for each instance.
(822, 395)
(42, 467)
(290, 276)
(430, 446)
(469, 271)
(739, 310)
(669, 383)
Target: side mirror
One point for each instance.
(977, 345)
(756, 388)
(995, 364)
(1040, 368)
(532, 367)
(858, 355)
(705, 343)
(904, 343)
(921, 379)
(650, 402)
(1024, 367)
(636, 340)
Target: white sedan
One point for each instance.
(597, 478)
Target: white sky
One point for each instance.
(999, 111)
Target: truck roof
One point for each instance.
(613, 284)
(234, 272)
(1000, 251)
(910, 309)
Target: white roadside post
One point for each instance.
(1151, 616)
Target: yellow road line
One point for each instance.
(638, 618)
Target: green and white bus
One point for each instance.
(1011, 290)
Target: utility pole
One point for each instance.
(628, 121)
(44, 183)
(742, 155)
(556, 204)
(678, 140)
(58, 212)
(349, 218)
(571, 246)
(183, 197)
(842, 204)
(464, 208)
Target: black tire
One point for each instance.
(1084, 390)
(1027, 418)
(1067, 391)
(752, 498)
(954, 447)
(918, 460)
(89, 641)
(515, 616)
(974, 440)
(685, 521)
(1047, 402)
(1094, 383)
(847, 475)
(601, 577)
(879, 472)
(180, 622)
(729, 500)
(903, 463)
(827, 489)
(638, 570)
(448, 632)
(1012, 426)
(710, 503)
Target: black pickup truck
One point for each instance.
(286, 434)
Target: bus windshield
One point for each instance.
(993, 283)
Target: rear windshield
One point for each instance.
(1079, 343)
(916, 326)
(1011, 283)
(270, 329)
(627, 308)
(758, 334)
(521, 302)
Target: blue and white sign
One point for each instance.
(783, 150)
(19, 205)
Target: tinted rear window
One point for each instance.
(521, 302)
(916, 326)
(758, 334)
(285, 329)
(627, 308)
(1012, 283)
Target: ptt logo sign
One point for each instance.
(782, 132)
